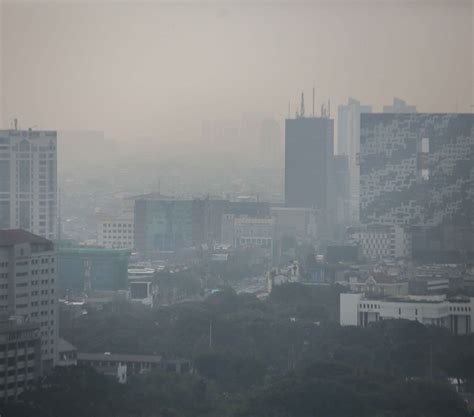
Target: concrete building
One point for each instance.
(248, 231)
(381, 242)
(296, 222)
(348, 144)
(20, 358)
(28, 181)
(399, 106)
(416, 170)
(308, 155)
(28, 286)
(116, 232)
(455, 314)
(67, 353)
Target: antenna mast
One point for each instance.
(302, 105)
(313, 101)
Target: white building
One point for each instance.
(116, 232)
(142, 283)
(28, 285)
(381, 242)
(453, 314)
(348, 144)
(248, 231)
(28, 181)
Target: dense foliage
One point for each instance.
(285, 356)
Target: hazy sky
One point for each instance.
(159, 69)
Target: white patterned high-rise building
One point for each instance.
(28, 181)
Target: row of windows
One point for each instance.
(119, 225)
(459, 308)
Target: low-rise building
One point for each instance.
(123, 365)
(67, 353)
(143, 285)
(455, 314)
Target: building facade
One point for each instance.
(20, 358)
(381, 242)
(348, 144)
(28, 286)
(309, 150)
(454, 314)
(116, 232)
(28, 181)
(417, 171)
(162, 224)
(241, 231)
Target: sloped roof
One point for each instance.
(10, 237)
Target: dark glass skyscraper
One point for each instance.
(309, 148)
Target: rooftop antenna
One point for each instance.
(329, 107)
(302, 104)
(322, 110)
(289, 109)
(15, 123)
(313, 101)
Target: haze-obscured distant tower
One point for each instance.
(28, 181)
(270, 142)
(399, 106)
(309, 150)
(348, 144)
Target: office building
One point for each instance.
(28, 181)
(116, 232)
(399, 106)
(417, 171)
(28, 286)
(308, 156)
(348, 144)
(243, 231)
(20, 358)
(454, 314)
(381, 242)
(162, 224)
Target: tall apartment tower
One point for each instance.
(28, 286)
(348, 144)
(28, 181)
(309, 150)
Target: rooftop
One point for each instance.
(10, 237)
(118, 357)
